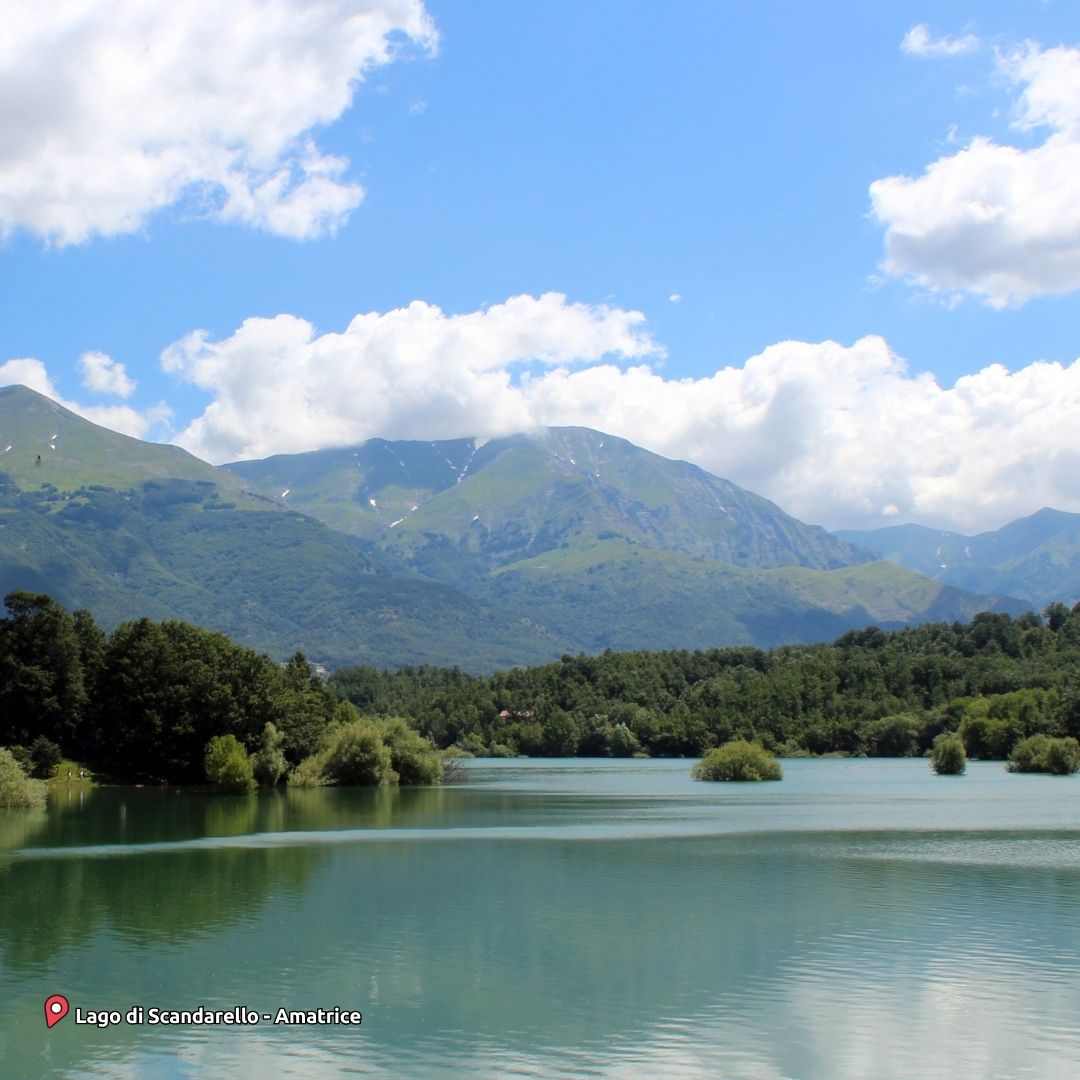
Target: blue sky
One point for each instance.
(828, 251)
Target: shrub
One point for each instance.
(23, 757)
(311, 772)
(412, 757)
(1041, 753)
(268, 762)
(739, 760)
(947, 757)
(1062, 757)
(356, 754)
(228, 765)
(17, 790)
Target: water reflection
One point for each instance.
(833, 954)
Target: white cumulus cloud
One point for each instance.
(32, 373)
(111, 111)
(918, 41)
(415, 372)
(997, 221)
(104, 375)
(841, 435)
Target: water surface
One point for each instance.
(558, 918)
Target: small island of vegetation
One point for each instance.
(1043, 754)
(738, 760)
(948, 757)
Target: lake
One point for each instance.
(571, 918)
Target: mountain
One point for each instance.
(42, 443)
(481, 553)
(604, 543)
(497, 501)
(1036, 558)
(128, 528)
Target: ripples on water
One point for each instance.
(859, 919)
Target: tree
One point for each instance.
(412, 757)
(17, 790)
(1041, 753)
(892, 736)
(306, 707)
(357, 755)
(268, 761)
(45, 755)
(41, 679)
(947, 757)
(167, 688)
(228, 765)
(738, 760)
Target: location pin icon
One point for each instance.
(56, 1008)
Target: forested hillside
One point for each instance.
(143, 701)
(996, 679)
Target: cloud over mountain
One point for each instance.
(841, 435)
(109, 377)
(110, 112)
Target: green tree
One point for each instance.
(228, 765)
(947, 757)
(412, 757)
(17, 790)
(892, 736)
(738, 760)
(306, 708)
(1042, 753)
(45, 755)
(268, 761)
(356, 754)
(41, 680)
(167, 688)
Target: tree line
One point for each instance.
(995, 680)
(147, 702)
(143, 702)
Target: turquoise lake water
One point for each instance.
(859, 919)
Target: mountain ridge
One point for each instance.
(1035, 558)
(518, 550)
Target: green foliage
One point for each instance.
(228, 765)
(1042, 753)
(738, 760)
(149, 696)
(167, 688)
(23, 756)
(17, 790)
(311, 772)
(355, 754)
(45, 755)
(412, 757)
(41, 679)
(268, 762)
(892, 736)
(947, 757)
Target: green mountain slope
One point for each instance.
(1036, 558)
(277, 581)
(480, 553)
(608, 545)
(127, 529)
(500, 500)
(42, 443)
(621, 596)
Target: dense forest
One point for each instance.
(146, 702)
(996, 680)
(143, 702)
